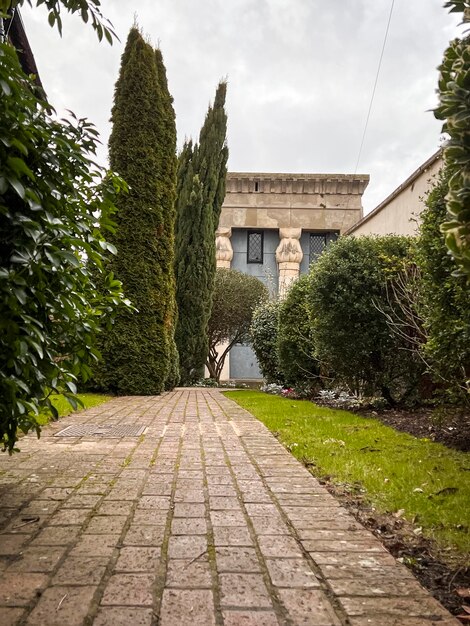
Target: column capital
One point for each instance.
(223, 247)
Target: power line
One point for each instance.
(375, 85)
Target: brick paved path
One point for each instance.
(204, 520)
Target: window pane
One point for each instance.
(255, 247)
(317, 245)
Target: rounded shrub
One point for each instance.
(349, 303)
(295, 347)
(264, 340)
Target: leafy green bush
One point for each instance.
(445, 299)
(50, 308)
(263, 333)
(295, 347)
(349, 304)
(454, 108)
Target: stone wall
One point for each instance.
(399, 213)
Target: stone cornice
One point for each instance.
(275, 183)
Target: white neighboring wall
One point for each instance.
(399, 213)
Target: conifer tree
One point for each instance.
(201, 177)
(168, 166)
(137, 352)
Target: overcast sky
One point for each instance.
(300, 76)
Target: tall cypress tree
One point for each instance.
(168, 167)
(201, 177)
(137, 352)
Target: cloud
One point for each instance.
(300, 76)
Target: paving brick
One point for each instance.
(62, 605)
(97, 545)
(65, 517)
(291, 573)
(11, 544)
(228, 518)
(191, 526)
(237, 559)
(355, 533)
(19, 589)
(81, 501)
(129, 590)
(144, 536)
(134, 559)
(10, 616)
(222, 490)
(406, 607)
(232, 536)
(279, 546)
(187, 606)
(391, 620)
(189, 573)
(115, 507)
(149, 517)
(189, 510)
(249, 618)
(38, 559)
(269, 526)
(56, 536)
(161, 503)
(343, 545)
(309, 606)
(244, 590)
(186, 546)
(122, 616)
(364, 560)
(376, 586)
(81, 570)
(104, 524)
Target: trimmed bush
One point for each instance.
(263, 333)
(445, 300)
(348, 301)
(295, 347)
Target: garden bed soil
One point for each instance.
(444, 575)
(448, 426)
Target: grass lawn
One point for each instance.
(425, 479)
(64, 408)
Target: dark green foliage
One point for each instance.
(166, 152)
(50, 308)
(348, 300)
(263, 331)
(295, 347)
(138, 350)
(236, 296)
(196, 264)
(211, 154)
(454, 108)
(89, 10)
(446, 299)
(202, 170)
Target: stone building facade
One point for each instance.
(273, 226)
(399, 213)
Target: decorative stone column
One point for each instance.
(289, 256)
(223, 247)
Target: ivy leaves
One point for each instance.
(454, 92)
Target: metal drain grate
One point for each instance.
(95, 430)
